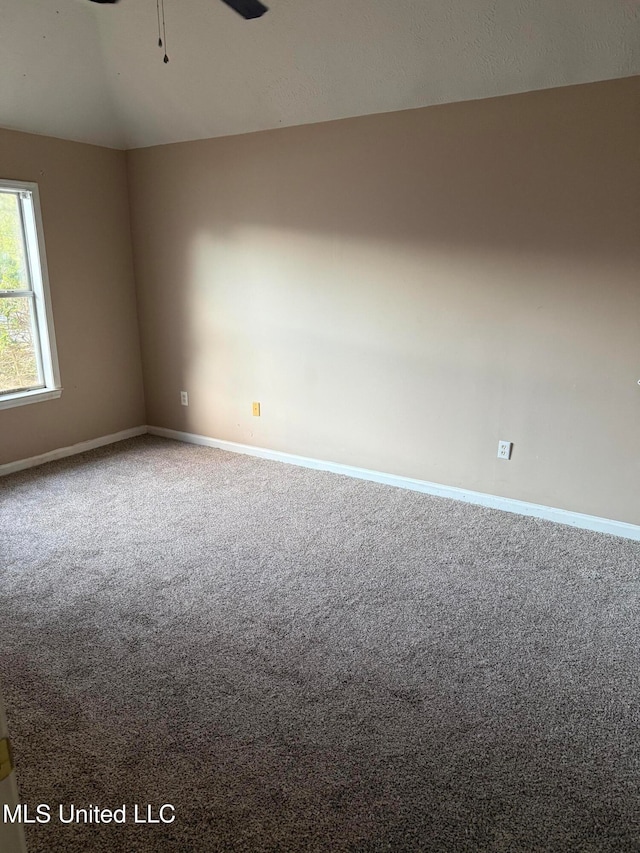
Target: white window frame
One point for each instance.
(29, 200)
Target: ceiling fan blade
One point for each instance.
(247, 8)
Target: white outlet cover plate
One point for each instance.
(504, 449)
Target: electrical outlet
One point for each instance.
(256, 410)
(504, 449)
(184, 398)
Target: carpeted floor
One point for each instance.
(299, 661)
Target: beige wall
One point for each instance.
(83, 194)
(401, 291)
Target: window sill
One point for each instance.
(22, 398)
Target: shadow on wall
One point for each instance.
(550, 172)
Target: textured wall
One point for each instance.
(401, 291)
(83, 194)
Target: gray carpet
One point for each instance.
(299, 661)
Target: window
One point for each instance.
(28, 362)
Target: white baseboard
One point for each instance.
(561, 516)
(72, 450)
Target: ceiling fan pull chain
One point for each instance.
(159, 33)
(164, 35)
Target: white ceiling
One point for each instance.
(79, 70)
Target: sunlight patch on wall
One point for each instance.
(352, 345)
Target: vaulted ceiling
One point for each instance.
(94, 73)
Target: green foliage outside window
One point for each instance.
(18, 363)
